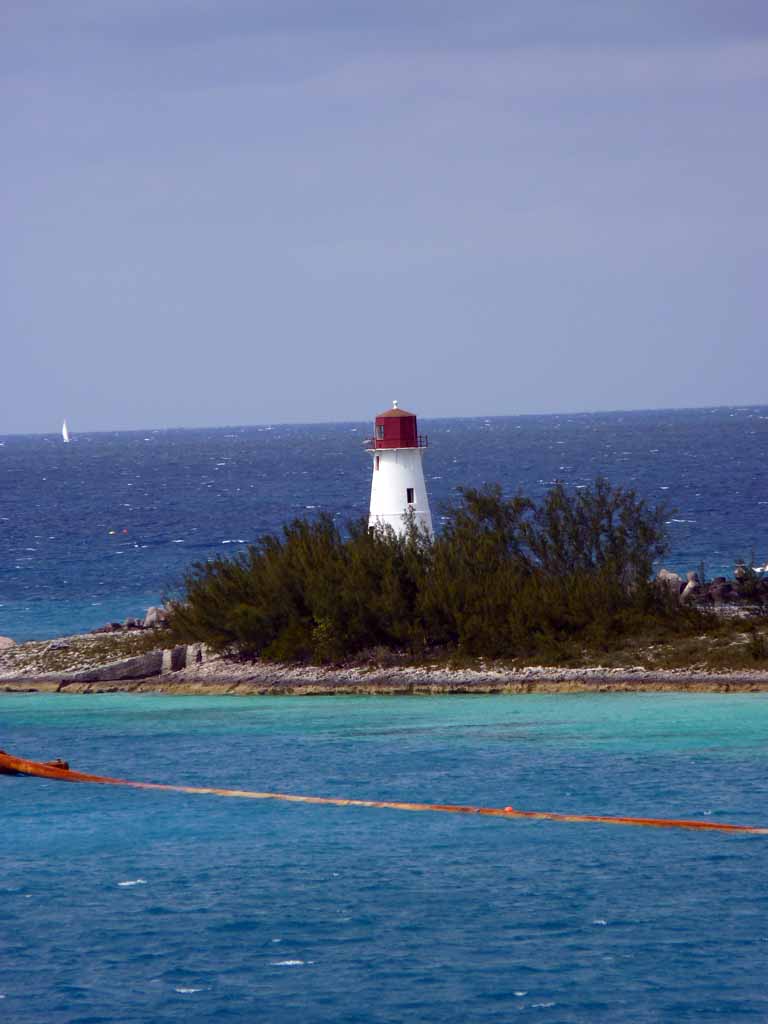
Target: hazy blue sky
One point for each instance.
(243, 211)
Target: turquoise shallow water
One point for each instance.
(251, 911)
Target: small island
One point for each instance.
(513, 595)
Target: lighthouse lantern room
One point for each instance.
(398, 487)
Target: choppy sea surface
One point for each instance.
(130, 906)
(101, 528)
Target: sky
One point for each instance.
(227, 212)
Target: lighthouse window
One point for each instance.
(409, 495)
(380, 431)
(378, 458)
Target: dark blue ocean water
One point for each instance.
(175, 496)
(126, 906)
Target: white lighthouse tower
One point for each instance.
(398, 484)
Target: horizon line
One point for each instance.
(343, 422)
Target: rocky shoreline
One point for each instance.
(218, 676)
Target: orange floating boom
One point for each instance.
(18, 766)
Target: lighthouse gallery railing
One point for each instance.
(422, 441)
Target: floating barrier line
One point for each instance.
(18, 766)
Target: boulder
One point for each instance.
(692, 590)
(174, 658)
(720, 591)
(141, 667)
(672, 580)
(195, 654)
(133, 624)
(155, 617)
(6, 643)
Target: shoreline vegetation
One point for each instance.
(512, 596)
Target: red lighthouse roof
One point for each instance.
(397, 428)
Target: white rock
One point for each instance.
(690, 590)
(155, 617)
(672, 579)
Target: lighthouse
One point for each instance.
(398, 487)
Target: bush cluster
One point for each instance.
(506, 577)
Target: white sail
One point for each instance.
(65, 432)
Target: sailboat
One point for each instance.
(65, 432)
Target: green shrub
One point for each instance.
(507, 577)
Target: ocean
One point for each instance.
(126, 906)
(100, 529)
(123, 906)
